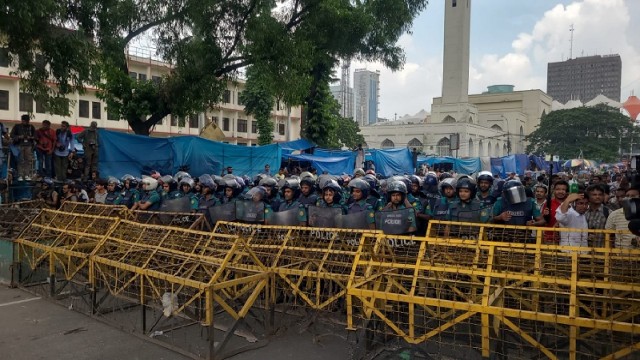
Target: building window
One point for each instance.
(193, 121)
(62, 105)
(254, 127)
(214, 120)
(4, 57)
(240, 102)
(225, 124)
(226, 97)
(454, 3)
(142, 77)
(4, 100)
(83, 109)
(387, 144)
(133, 75)
(156, 80)
(242, 125)
(26, 102)
(40, 62)
(281, 129)
(174, 120)
(40, 108)
(444, 147)
(96, 110)
(241, 144)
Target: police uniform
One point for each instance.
(488, 200)
(471, 211)
(284, 206)
(128, 198)
(111, 198)
(415, 202)
(308, 200)
(440, 210)
(152, 197)
(520, 213)
(411, 220)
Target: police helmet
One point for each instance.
(169, 180)
(258, 178)
(415, 179)
(450, 182)
(149, 184)
(485, 176)
(307, 180)
(430, 184)
(113, 181)
(359, 172)
(337, 190)
(362, 185)
(187, 180)
(268, 181)
(233, 184)
(219, 180)
(513, 192)
(256, 191)
(445, 175)
(292, 184)
(467, 183)
(126, 177)
(396, 186)
(181, 174)
(324, 179)
(207, 181)
(305, 174)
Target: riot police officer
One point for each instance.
(130, 193)
(186, 190)
(150, 198)
(207, 197)
(112, 193)
(485, 184)
(467, 208)
(232, 189)
(359, 193)
(397, 197)
(271, 186)
(515, 208)
(169, 188)
(290, 190)
(307, 194)
(440, 210)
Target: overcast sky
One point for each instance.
(511, 43)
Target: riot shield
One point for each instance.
(323, 217)
(353, 221)
(179, 205)
(226, 212)
(249, 211)
(286, 218)
(395, 222)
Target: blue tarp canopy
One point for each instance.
(296, 145)
(391, 162)
(134, 154)
(462, 166)
(508, 164)
(333, 165)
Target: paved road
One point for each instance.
(34, 328)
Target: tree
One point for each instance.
(597, 132)
(348, 133)
(258, 101)
(207, 42)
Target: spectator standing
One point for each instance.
(570, 214)
(76, 165)
(617, 221)
(100, 194)
(45, 144)
(267, 170)
(597, 213)
(90, 142)
(4, 140)
(359, 157)
(64, 144)
(23, 136)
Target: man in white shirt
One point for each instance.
(570, 214)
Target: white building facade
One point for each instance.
(238, 127)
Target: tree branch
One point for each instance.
(239, 31)
(150, 25)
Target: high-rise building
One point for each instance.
(367, 94)
(345, 99)
(584, 78)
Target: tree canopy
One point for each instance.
(206, 42)
(597, 132)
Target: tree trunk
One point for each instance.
(143, 127)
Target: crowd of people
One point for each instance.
(54, 150)
(591, 203)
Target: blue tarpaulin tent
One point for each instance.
(333, 165)
(132, 154)
(296, 145)
(391, 162)
(462, 166)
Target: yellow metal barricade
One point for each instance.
(119, 211)
(520, 298)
